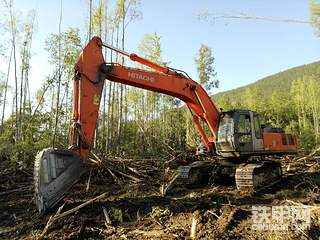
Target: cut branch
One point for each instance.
(204, 16)
(58, 215)
(164, 191)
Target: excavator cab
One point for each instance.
(239, 133)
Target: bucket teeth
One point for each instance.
(55, 172)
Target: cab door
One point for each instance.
(244, 132)
(249, 132)
(257, 137)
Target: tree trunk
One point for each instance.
(5, 94)
(58, 87)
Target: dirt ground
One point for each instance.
(139, 211)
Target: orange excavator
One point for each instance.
(236, 134)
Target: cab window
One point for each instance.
(225, 131)
(244, 125)
(257, 127)
(244, 129)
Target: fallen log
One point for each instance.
(109, 166)
(171, 160)
(314, 152)
(193, 228)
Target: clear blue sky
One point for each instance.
(244, 50)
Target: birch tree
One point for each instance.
(127, 10)
(13, 26)
(63, 59)
(206, 73)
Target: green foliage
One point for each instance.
(218, 198)
(204, 61)
(2, 86)
(224, 103)
(99, 18)
(118, 215)
(150, 48)
(159, 211)
(267, 85)
(37, 135)
(283, 194)
(70, 47)
(315, 15)
(254, 100)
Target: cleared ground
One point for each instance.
(138, 210)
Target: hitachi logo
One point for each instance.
(139, 76)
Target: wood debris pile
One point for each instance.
(17, 181)
(135, 171)
(142, 170)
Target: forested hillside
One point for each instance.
(267, 85)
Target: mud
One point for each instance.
(138, 210)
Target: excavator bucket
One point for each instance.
(55, 172)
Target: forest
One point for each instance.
(132, 122)
(129, 187)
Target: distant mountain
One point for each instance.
(267, 85)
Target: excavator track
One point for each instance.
(195, 173)
(258, 175)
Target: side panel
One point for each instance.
(272, 141)
(280, 141)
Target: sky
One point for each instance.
(245, 51)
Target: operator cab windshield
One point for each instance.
(225, 131)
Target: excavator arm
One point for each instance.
(56, 171)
